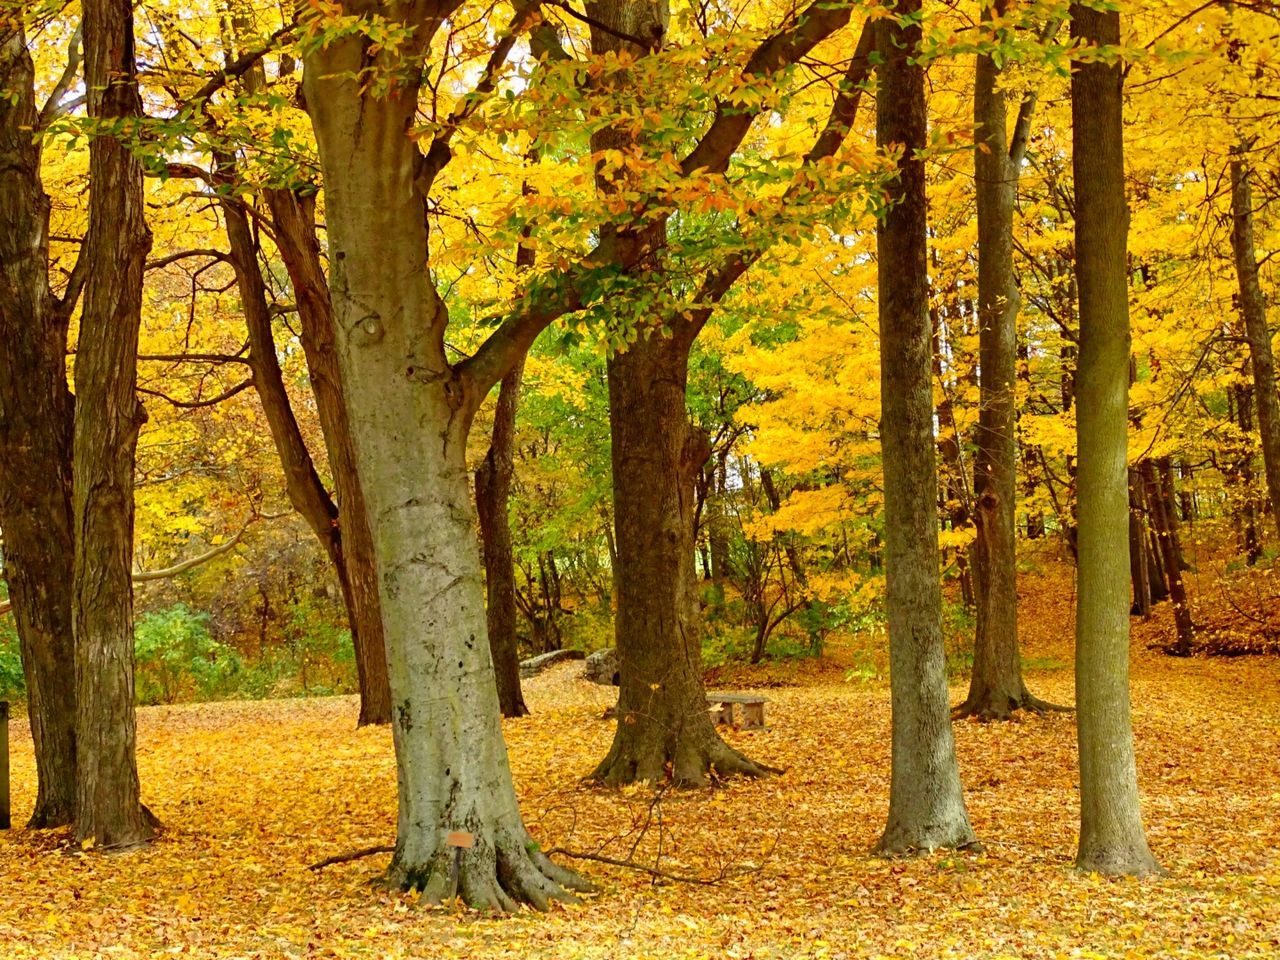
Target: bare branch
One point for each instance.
(186, 254)
(438, 154)
(814, 24)
(54, 107)
(194, 404)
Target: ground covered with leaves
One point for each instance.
(253, 793)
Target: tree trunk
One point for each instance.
(1166, 537)
(1138, 568)
(926, 805)
(107, 418)
(35, 443)
(294, 217)
(1245, 508)
(459, 828)
(1253, 308)
(493, 490)
(657, 452)
(1111, 835)
(996, 688)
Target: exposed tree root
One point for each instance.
(499, 872)
(689, 761)
(991, 706)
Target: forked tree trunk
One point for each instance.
(1111, 835)
(35, 443)
(459, 828)
(493, 492)
(996, 687)
(107, 419)
(657, 453)
(926, 805)
(294, 218)
(1253, 308)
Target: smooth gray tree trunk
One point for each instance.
(926, 805)
(1111, 836)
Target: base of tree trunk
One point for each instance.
(1127, 860)
(991, 704)
(501, 871)
(51, 816)
(517, 709)
(692, 760)
(900, 844)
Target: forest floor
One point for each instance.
(252, 793)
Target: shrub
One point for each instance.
(177, 656)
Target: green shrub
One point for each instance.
(12, 683)
(177, 657)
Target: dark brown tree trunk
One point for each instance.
(493, 490)
(1186, 499)
(926, 805)
(996, 688)
(1168, 490)
(294, 218)
(1138, 570)
(1166, 537)
(107, 419)
(1112, 840)
(656, 455)
(1245, 507)
(657, 452)
(1253, 308)
(35, 442)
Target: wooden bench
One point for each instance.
(723, 707)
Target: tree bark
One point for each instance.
(1166, 537)
(1138, 568)
(107, 419)
(1112, 840)
(1253, 308)
(657, 452)
(294, 218)
(926, 805)
(996, 687)
(493, 491)
(410, 413)
(656, 455)
(35, 442)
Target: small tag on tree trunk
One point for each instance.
(460, 839)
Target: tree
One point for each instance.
(107, 419)
(657, 452)
(410, 410)
(926, 805)
(36, 427)
(1253, 308)
(493, 491)
(996, 687)
(1111, 835)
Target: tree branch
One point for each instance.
(240, 66)
(814, 24)
(185, 254)
(438, 154)
(54, 107)
(195, 404)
